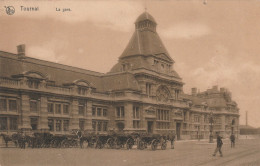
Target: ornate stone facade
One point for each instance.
(142, 92)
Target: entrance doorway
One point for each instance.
(178, 131)
(120, 126)
(150, 126)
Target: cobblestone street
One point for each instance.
(190, 153)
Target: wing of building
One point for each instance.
(142, 92)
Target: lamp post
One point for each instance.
(232, 126)
(211, 127)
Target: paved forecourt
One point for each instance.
(246, 152)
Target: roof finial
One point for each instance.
(145, 6)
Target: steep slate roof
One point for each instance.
(145, 41)
(120, 81)
(62, 74)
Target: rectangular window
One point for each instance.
(81, 110)
(93, 111)
(65, 109)
(3, 123)
(66, 125)
(94, 125)
(50, 107)
(136, 124)
(196, 118)
(3, 106)
(33, 106)
(163, 115)
(12, 105)
(13, 124)
(99, 126)
(104, 112)
(136, 114)
(122, 112)
(58, 108)
(148, 89)
(104, 126)
(98, 111)
(58, 125)
(34, 123)
(51, 124)
(81, 125)
(118, 112)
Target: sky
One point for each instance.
(213, 42)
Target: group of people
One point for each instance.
(220, 143)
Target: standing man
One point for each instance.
(219, 145)
(232, 139)
(172, 139)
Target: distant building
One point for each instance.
(248, 130)
(142, 92)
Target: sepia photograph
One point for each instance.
(129, 83)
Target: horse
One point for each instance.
(6, 139)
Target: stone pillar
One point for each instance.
(88, 121)
(128, 116)
(43, 119)
(25, 109)
(74, 123)
(112, 116)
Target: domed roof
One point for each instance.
(145, 16)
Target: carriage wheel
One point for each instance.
(154, 144)
(164, 145)
(64, 144)
(129, 143)
(110, 143)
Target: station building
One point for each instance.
(142, 92)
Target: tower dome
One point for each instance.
(145, 16)
(145, 22)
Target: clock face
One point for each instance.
(162, 94)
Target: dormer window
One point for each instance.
(82, 91)
(33, 83)
(33, 78)
(123, 67)
(162, 66)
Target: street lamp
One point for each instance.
(232, 126)
(211, 127)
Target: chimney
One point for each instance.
(21, 50)
(246, 119)
(193, 91)
(215, 88)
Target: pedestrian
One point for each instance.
(232, 139)
(219, 145)
(172, 139)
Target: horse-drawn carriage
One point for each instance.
(153, 140)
